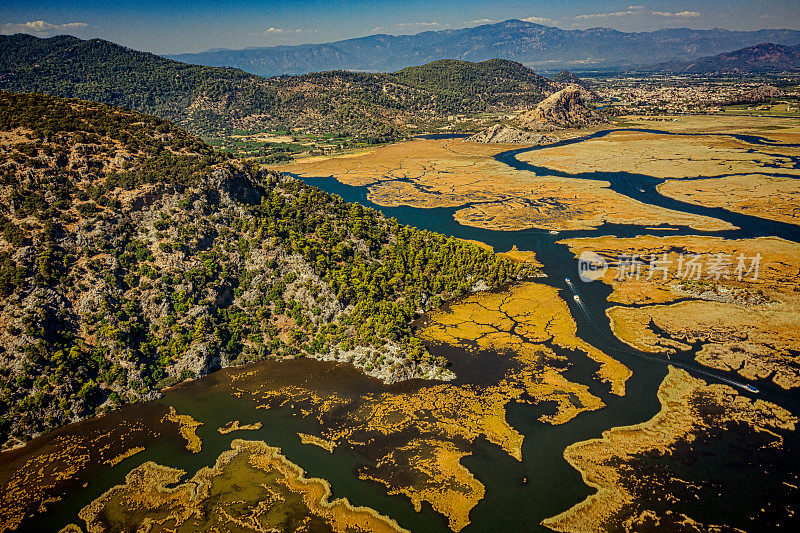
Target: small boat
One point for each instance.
(641, 190)
(751, 388)
(577, 298)
(553, 232)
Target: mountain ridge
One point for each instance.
(533, 45)
(759, 59)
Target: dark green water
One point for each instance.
(518, 495)
(552, 485)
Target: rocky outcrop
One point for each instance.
(564, 109)
(229, 186)
(561, 110)
(503, 134)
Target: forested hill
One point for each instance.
(132, 255)
(214, 100)
(101, 71)
(568, 78)
(497, 82)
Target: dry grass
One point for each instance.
(452, 173)
(758, 195)
(602, 462)
(751, 330)
(661, 156)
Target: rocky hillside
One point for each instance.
(505, 134)
(210, 100)
(133, 256)
(566, 108)
(561, 110)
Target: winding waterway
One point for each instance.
(518, 494)
(543, 462)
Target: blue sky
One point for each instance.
(183, 26)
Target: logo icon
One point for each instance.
(591, 266)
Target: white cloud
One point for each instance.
(606, 15)
(602, 15)
(271, 30)
(40, 27)
(632, 10)
(638, 10)
(538, 20)
(480, 21)
(679, 14)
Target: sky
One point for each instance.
(165, 27)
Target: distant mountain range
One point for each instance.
(534, 45)
(213, 99)
(760, 59)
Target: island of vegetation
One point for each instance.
(235, 425)
(434, 465)
(635, 468)
(187, 427)
(759, 195)
(746, 325)
(114, 461)
(278, 496)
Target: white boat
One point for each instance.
(577, 298)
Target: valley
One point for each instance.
(528, 347)
(272, 119)
(455, 296)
